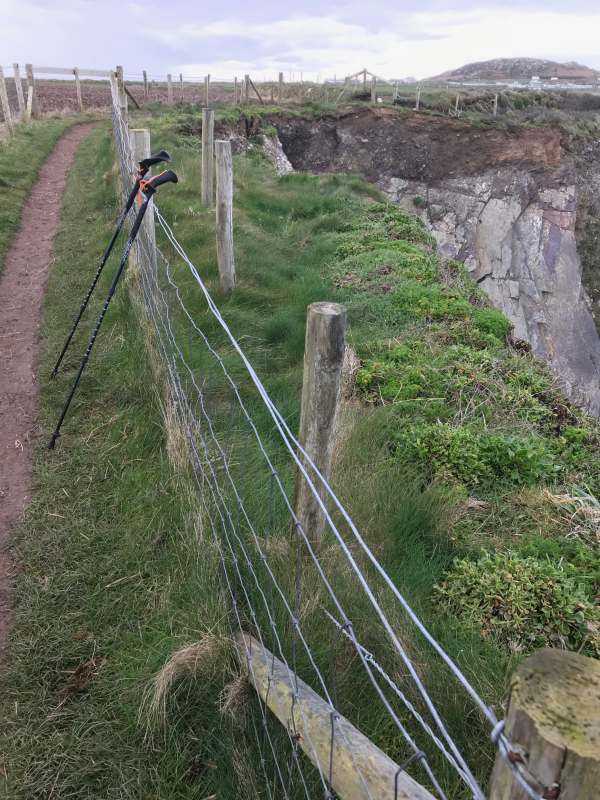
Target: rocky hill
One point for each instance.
(514, 69)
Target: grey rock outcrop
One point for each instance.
(518, 242)
(503, 202)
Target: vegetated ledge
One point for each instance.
(458, 421)
(504, 202)
(459, 402)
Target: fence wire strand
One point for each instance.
(260, 603)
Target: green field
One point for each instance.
(459, 460)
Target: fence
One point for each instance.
(80, 89)
(326, 638)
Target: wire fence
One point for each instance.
(329, 613)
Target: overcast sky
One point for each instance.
(262, 37)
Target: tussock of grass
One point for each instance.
(198, 660)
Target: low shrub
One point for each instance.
(474, 456)
(522, 602)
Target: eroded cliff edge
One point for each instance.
(503, 202)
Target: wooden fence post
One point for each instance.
(553, 723)
(5, 104)
(19, 88)
(496, 105)
(207, 90)
(235, 91)
(246, 89)
(280, 89)
(365, 79)
(145, 74)
(323, 359)
(78, 88)
(169, 90)
(35, 106)
(373, 90)
(359, 769)
(418, 100)
(29, 107)
(208, 131)
(122, 94)
(139, 140)
(181, 85)
(456, 105)
(224, 215)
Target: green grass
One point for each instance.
(20, 160)
(118, 569)
(111, 580)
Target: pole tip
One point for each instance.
(52, 441)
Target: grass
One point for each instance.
(111, 582)
(20, 160)
(121, 590)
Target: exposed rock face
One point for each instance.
(504, 203)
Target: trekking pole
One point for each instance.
(143, 168)
(147, 188)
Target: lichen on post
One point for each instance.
(553, 724)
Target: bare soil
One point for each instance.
(376, 142)
(22, 286)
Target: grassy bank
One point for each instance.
(458, 458)
(20, 160)
(109, 581)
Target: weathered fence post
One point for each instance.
(145, 74)
(208, 130)
(359, 770)
(224, 215)
(553, 723)
(280, 88)
(5, 104)
(35, 107)
(139, 141)
(246, 89)
(207, 90)
(373, 90)
(169, 90)
(122, 94)
(365, 80)
(19, 88)
(323, 359)
(496, 105)
(29, 107)
(78, 88)
(181, 86)
(235, 91)
(418, 100)
(456, 105)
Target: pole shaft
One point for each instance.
(224, 215)
(78, 89)
(19, 88)
(96, 278)
(5, 104)
(208, 130)
(553, 722)
(323, 360)
(111, 291)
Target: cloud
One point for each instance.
(419, 43)
(424, 38)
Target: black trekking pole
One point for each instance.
(143, 168)
(148, 188)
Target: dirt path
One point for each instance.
(22, 285)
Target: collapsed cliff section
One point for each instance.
(503, 202)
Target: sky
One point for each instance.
(416, 38)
